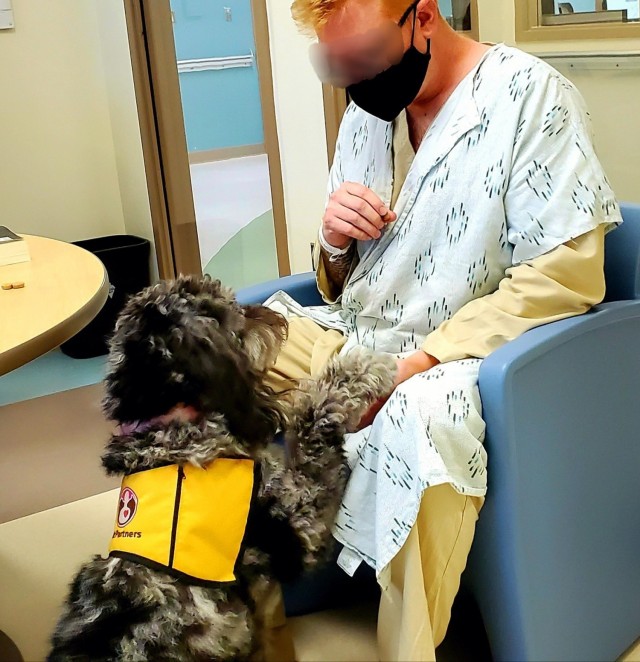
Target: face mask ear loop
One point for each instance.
(415, 17)
(413, 31)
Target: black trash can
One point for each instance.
(126, 259)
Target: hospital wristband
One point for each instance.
(334, 252)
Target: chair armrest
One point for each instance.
(301, 287)
(560, 530)
(498, 369)
(622, 257)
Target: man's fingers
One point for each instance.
(347, 229)
(362, 207)
(361, 191)
(355, 211)
(342, 198)
(366, 194)
(351, 217)
(356, 219)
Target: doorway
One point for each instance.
(204, 89)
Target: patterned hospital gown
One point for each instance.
(506, 173)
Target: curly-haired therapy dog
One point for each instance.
(208, 517)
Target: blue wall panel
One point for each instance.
(445, 8)
(221, 108)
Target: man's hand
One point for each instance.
(408, 367)
(354, 212)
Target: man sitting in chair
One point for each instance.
(466, 205)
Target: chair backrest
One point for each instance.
(622, 257)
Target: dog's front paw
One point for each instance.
(372, 374)
(356, 380)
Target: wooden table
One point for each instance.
(65, 288)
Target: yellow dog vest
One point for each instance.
(187, 521)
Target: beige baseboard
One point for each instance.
(225, 153)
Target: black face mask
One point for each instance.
(386, 95)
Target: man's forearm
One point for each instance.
(331, 275)
(338, 269)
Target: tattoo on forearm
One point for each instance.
(338, 270)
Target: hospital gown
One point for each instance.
(505, 174)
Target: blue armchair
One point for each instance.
(555, 565)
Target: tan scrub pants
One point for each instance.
(421, 582)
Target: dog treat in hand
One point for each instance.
(7, 286)
(18, 285)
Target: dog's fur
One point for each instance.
(188, 342)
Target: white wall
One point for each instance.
(70, 153)
(613, 96)
(301, 132)
(57, 156)
(125, 128)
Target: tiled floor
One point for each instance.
(228, 195)
(40, 553)
(337, 635)
(51, 373)
(349, 635)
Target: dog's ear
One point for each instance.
(263, 335)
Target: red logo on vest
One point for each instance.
(127, 507)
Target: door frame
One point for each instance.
(270, 126)
(164, 143)
(335, 104)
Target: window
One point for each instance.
(589, 11)
(577, 19)
(462, 15)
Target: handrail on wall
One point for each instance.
(596, 60)
(216, 63)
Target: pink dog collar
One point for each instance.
(179, 413)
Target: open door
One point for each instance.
(205, 98)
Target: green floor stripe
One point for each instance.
(249, 257)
